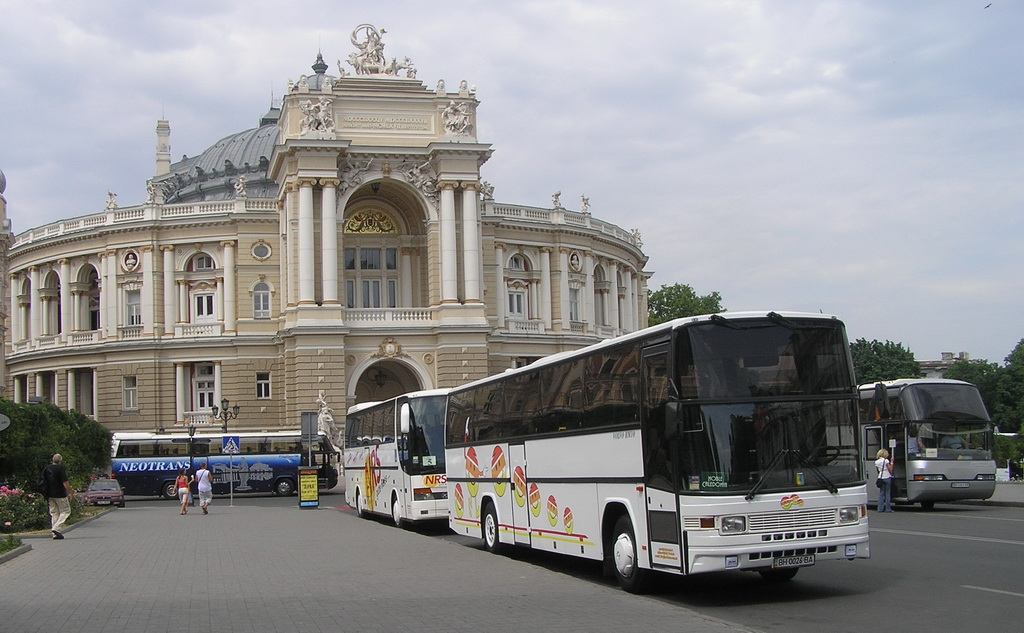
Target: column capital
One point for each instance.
(63, 261)
(305, 182)
(330, 182)
(167, 248)
(447, 184)
(469, 185)
(228, 243)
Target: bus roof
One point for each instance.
(426, 393)
(654, 330)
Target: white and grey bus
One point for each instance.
(704, 444)
(394, 457)
(939, 435)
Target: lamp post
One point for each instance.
(191, 455)
(225, 412)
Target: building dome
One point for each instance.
(211, 175)
(3, 182)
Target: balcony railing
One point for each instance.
(375, 317)
(198, 330)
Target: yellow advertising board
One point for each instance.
(309, 492)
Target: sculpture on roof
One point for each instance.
(456, 119)
(370, 59)
(111, 201)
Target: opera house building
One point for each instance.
(344, 249)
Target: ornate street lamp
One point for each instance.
(225, 412)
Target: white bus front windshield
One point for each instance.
(424, 454)
(954, 423)
(765, 406)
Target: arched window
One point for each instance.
(371, 272)
(517, 283)
(261, 301)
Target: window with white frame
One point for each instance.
(574, 304)
(517, 303)
(371, 277)
(203, 307)
(133, 307)
(201, 262)
(261, 301)
(204, 387)
(130, 391)
(262, 385)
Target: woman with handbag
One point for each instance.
(884, 481)
(181, 484)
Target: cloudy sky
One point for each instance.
(857, 158)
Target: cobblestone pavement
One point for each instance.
(265, 565)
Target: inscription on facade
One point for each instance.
(383, 122)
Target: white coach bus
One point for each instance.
(394, 457)
(703, 444)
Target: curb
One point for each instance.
(14, 553)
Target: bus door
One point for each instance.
(887, 436)
(661, 461)
(520, 492)
(872, 441)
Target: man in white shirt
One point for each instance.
(205, 484)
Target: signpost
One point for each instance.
(229, 446)
(309, 489)
(4, 421)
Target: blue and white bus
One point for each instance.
(146, 464)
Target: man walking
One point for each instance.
(58, 495)
(205, 481)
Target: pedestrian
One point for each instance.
(181, 484)
(58, 495)
(884, 481)
(205, 485)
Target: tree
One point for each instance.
(1009, 406)
(680, 300)
(874, 361)
(37, 431)
(983, 375)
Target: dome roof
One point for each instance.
(3, 182)
(212, 174)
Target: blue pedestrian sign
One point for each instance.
(229, 445)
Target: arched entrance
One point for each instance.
(385, 379)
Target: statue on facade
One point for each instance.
(111, 201)
(240, 187)
(324, 416)
(487, 190)
(150, 192)
(318, 116)
(556, 200)
(353, 176)
(456, 119)
(636, 238)
(584, 204)
(422, 177)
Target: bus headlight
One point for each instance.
(734, 524)
(849, 514)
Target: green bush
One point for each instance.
(23, 511)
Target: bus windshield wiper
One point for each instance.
(772, 465)
(718, 319)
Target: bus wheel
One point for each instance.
(778, 575)
(360, 505)
(489, 529)
(928, 505)
(284, 487)
(624, 558)
(169, 490)
(396, 511)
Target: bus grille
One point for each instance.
(801, 519)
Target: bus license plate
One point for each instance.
(961, 484)
(793, 561)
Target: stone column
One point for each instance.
(72, 381)
(35, 306)
(500, 289)
(66, 307)
(563, 308)
(16, 316)
(180, 385)
(229, 288)
(329, 239)
(589, 313)
(629, 302)
(449, 249)
(170, 306)
(471, 243)
(148, 298)
(307, 290)
(613, 297)
(545, 286)
(406, 278)
(183, 306)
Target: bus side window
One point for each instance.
(872, 442)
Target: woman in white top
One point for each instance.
(884, 466)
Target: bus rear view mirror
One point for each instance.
(405, 418)
(682, 419)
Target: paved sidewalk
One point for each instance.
(266, 566)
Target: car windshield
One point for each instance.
(105, 485)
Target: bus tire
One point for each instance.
(360, 505)
(778, 575)
(170, 491)
(625, 563)
(489, 529)
(284, 487)
(396, 512)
